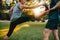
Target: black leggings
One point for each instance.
(15, 23)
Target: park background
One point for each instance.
(31, 30)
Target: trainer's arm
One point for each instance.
(55, 7)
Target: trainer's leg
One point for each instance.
(55, 34)
(46, 34)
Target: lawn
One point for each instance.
(25, 31)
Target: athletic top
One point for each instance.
(16, 12)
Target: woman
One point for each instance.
(16, 16)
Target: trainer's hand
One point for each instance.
(47, 12)
(5, 38)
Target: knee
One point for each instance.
(45, 37)
(44, 33)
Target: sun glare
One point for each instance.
(39, 9)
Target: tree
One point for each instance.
(0, 4)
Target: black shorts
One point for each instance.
(52, 24)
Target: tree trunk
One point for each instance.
(0, 4)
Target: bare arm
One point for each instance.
(29, 7)
(55, 7)
(50, 10)
(11, 9)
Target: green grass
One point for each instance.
(33, 32)
(4, 25)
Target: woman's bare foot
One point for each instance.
(5, 38)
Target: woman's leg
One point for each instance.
(18, 21)
(13, 25)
